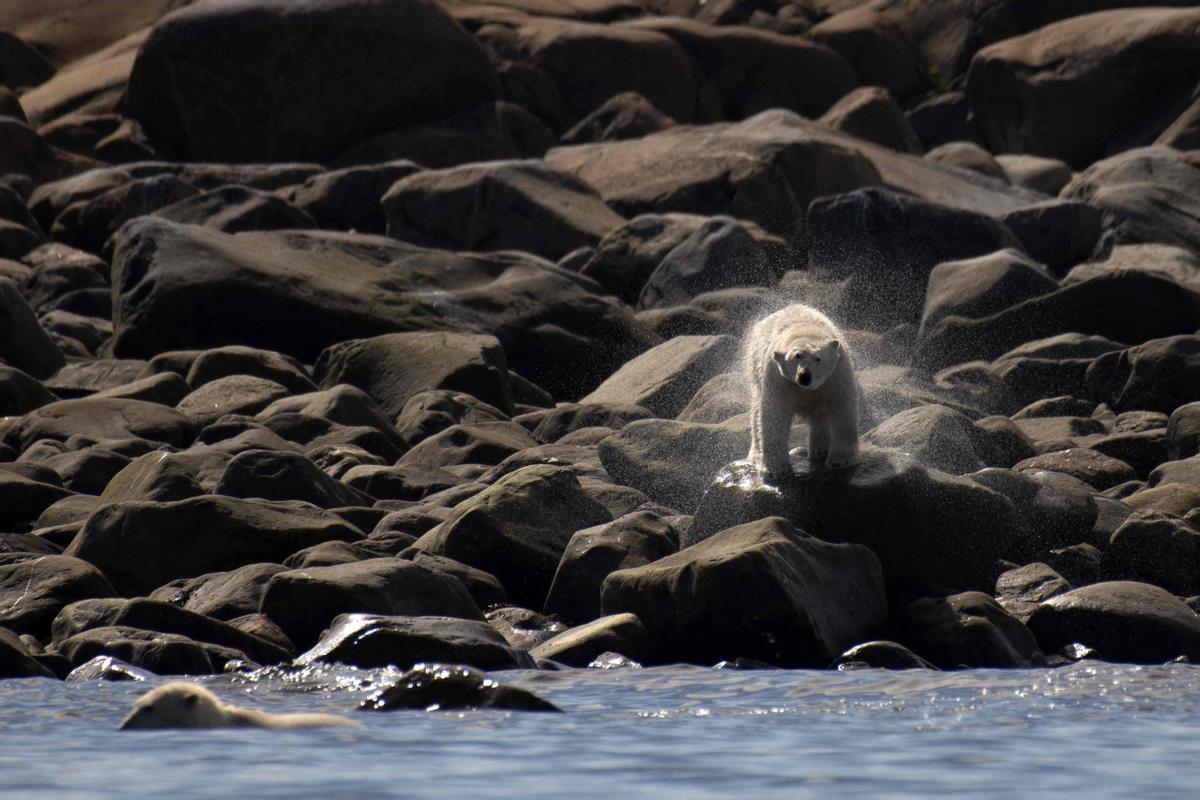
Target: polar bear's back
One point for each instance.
(795, 320)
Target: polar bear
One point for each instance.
(186, 705)
(798, 364)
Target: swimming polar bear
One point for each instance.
(186, 705)
(798, 364)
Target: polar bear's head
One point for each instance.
(808, 362)
(176, 705)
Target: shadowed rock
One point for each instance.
(449, 687)
(927, 528)
(367, 641)
(760, 590)
(401, 62)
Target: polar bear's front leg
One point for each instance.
(819, 439)
(775, 424)
(843, 427)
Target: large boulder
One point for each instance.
(593, 553)
(302, 602)
(395, 367)
(34, 590)
(397, 62)
(1146, 195)
(664, 378)
(23, 342)
(1069, 89)
(1122, 621)
(872, 113)
(279, 475)
(968, 630)
(489, 132)
(760, 590)
(977, 287)
(236, 208)
(929, 529)
(16, 661)
(589, 63)
(23, 499)
(151, 615)
(722, 253)
(1156, 548)
(450, 687)
(672, 461)
(627, 255)
(100, 419)
(753, 70)
(517, 529)
(21, 393)
(142, 545)
(1160, 375)
(221, 595)
(897, 241)
(368, 641)
(498, 205)
(1101, 305)
(766, 169)
(181, 287)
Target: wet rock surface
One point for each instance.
(448, 687)
(416, 310)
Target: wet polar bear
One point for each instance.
(186, 705)
(798, 364)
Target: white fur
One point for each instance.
(186, 705)
(798, 364)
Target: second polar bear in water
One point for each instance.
(185, 705)
(798, 364)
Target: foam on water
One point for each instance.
(1091, 729)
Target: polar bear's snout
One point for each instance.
(803, 376)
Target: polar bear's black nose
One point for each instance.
(804, 377)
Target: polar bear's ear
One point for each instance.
(835, 344)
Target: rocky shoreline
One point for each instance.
(366, 332)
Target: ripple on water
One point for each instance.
(1088, 729)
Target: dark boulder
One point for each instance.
(451, 687)
(393, 368)
(399, 62)
(897, 241)
(517, 529)
(580, 646)
(152, 615)
(1122, 621)
(1156, 548)
(368, 641)
(303, 602)
(272, 475)
(628, 541)
(141, 546)
(929, 529)
(671, 461)
(34, 590)
(969, 630)
(760, 590)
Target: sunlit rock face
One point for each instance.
(929, 529)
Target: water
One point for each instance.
(1087, 730)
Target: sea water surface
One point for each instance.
(1085, 730)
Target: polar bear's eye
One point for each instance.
(816, 359)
